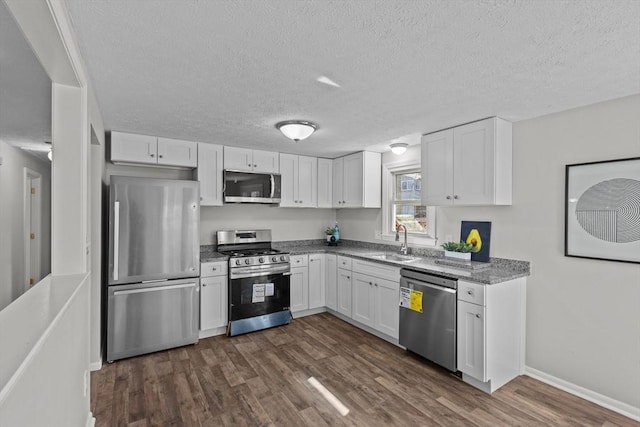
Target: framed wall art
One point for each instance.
(602, 210)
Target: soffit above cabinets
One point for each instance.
(227, 72)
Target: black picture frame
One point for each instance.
(602, 210)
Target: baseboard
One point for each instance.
(91, 420)
(95, 366)
(311, 312)
(597, 398)
(207, 333)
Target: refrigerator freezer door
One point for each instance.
(153, 229)
(149, 317)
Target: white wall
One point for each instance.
(12, 248)
(285, 223)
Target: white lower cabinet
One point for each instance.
(491, 332)
(299, 283)
(213, 295)
(331, 281)
(375, 301)
(344, 291)
(317, 278)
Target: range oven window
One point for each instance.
(247, 300)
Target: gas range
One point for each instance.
(250, 252)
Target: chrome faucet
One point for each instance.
(404, 248)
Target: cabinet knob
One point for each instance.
(152, 155)
(204, 285)
(478, 316)
(469, 292)
(448, 197)
(455, 196)
(255, 166)
(249, 164)
(348, 277)
(343, 202)
(370, 284)
(214, 269)
(160, 156)
(376, 284)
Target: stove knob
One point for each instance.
(283, 258)
(237, 262)
(247, 261)
(274, 258)
(260, 260)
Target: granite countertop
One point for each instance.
(429, 260)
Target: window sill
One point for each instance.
(423, 242)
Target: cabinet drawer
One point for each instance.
(299, 260)
(471, 292)
(376, 269)
(344, 262)
(217, 268)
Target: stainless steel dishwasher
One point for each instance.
(428, 316)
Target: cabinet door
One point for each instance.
(133, 148)
(338, 183)
(473, 161)
(471, 340)
(344, 291)
(299, 289)
(387, 307)
(240, 159)
(331, 281)
(289, 181)
(325, 183)
(307, 182)
(362, 301)
(317, 278)
(213, 302)
(175, 152)
(209, 174)
(266, 161)
(437, 168)
(353, 180)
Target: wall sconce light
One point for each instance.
(296, 130)
(399, 147)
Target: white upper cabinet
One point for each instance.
(468, 165)
(176, 152)
(152, 150)
(325, 183)
(357, 180)
(299, 181)
(244, 159)
(209, 174)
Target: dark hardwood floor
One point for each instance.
(260, 379)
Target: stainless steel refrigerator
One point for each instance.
(153, 292)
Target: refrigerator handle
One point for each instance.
(116, 238)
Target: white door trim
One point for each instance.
(32, 223)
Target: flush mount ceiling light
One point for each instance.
(297, 130)
(398, 147)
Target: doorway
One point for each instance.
(32, 227)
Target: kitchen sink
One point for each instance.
(390, 256)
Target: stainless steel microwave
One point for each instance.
(251, 187)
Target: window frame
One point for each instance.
(388, 187)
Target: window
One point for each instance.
(404, 205)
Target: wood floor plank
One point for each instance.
(261, 379)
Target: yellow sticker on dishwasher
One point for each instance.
(415, 301)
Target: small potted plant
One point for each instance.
(329, 232)
(459, 250)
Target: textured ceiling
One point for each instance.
(226, 71)
(25, 90)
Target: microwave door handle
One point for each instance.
(273, 185)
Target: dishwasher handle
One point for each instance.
(418, 285)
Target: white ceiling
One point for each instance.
(25, 91)
(226, 71)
